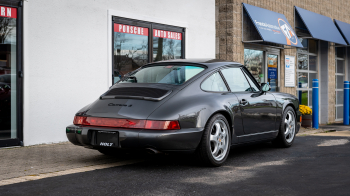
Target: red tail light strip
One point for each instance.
(126, 123)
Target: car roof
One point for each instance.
(210, 63)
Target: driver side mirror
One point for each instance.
(265, 87)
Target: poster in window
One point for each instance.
(289, 71)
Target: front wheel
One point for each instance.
(287, 129)
(215, 144)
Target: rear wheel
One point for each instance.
(215, 144)
(287, 129)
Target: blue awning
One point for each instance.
(319, 26)
(344, 29)
(272, 27)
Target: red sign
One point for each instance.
(167, 34)
(8, 12)
(120, 28)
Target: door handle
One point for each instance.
(243, 102)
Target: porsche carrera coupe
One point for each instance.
(201, 106)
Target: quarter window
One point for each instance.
(214, 83)
(236, 80)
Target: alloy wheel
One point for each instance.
(219, 140)
(289, 123)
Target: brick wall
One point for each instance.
(229, 32)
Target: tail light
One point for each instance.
(166, 125)
(126, 123)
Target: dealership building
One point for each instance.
(288, 44)
(58, 56)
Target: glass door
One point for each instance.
(8, 76)
(263, 65)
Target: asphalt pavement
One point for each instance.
(314, 165)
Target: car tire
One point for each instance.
(215, 144)
(287, 129)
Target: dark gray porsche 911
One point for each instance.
(198, 106)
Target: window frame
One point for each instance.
(18, 141)
(150, 26)
(344, 79)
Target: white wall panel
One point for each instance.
(66, 53)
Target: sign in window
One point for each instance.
(130, 49)
(166, 45)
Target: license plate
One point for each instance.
(107, 138)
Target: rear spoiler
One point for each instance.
(135, 97)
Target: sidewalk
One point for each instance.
(332, 128)
(336, 126)
(43, 159)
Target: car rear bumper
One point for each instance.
(168, 140)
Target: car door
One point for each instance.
(258, 109)
(218, 90)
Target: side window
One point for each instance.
(214, 83)
(236, 80)
(252, 84)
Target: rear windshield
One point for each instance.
(168, 74)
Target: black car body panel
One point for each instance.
(257, 120)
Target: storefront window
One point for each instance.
(130, 49)
(166, 45)
(306, 70)
(254, 61)
(8, 73)
(339, 81)
(135, 44)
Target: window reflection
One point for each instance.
(303, 97)
(130, 49)
(253, 60)
(302, 61)
(166, 49)
(303, 80)
(166, 45)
